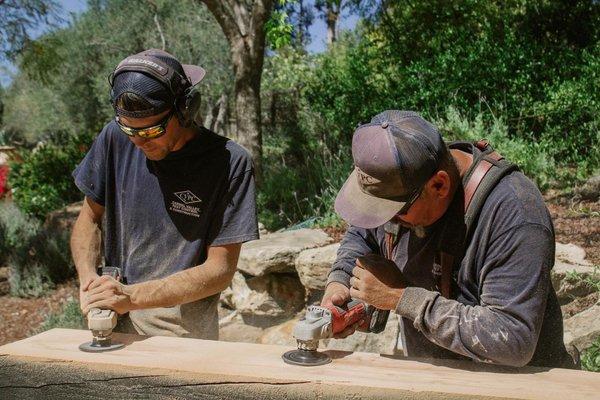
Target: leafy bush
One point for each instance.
(533, 62)
(590, 358)
(37, 260)
(42, 182)
(308, 191)
(69, 317)
(531, 157)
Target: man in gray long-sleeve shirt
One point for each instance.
(503, 308)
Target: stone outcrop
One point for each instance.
(570, 269)
(277, 252)
(234, 328)
(280, 334)
(313, 266)
(590, 190)
(273, 295)
(580, 304)
(583, 328)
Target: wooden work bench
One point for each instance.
(50, 365)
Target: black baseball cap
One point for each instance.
(394, 156)
(156, 76)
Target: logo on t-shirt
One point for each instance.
(187, 197)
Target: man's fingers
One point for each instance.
(95, 283)
(358, 270)
(100, 280)
(356, 294)
(106, 286)
(338, 299)
(85, 285)
(92, 298)
(356, 283)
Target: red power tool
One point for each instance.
(324, 322)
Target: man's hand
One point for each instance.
(377, 281)
(338, 294)
(106, 293)
(84, 284)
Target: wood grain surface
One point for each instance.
(264, 362)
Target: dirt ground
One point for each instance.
(577, 223)
(19, 318)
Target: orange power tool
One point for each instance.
(324, 322)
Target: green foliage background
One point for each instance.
(523, 74)
(63, 81)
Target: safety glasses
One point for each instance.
(411, 201)
(150, 132)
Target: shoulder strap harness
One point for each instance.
(486, 171)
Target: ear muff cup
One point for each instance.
(188, 107)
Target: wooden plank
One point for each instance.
(357, 369)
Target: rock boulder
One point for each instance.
(570, 268)
(313, 266)
(277, 252)
(270, 296)
(582, 329)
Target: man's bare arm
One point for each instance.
(192, 284)
(86, 241)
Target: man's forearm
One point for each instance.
(85, 246)
(182, 287)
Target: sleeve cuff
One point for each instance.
(339, 276)
(89, 193)
(412, 301)
(235, 239)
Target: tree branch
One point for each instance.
(260, 14)
(223, 12)
(157, 23)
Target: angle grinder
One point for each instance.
(323, 322)
(102, 322)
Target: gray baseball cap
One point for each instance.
(394, 156)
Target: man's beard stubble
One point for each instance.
(419, 230)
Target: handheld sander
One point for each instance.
(102, 322)
(324, 322)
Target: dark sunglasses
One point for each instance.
(150, 132)
(411, 201)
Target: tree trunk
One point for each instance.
(247, 109)
(219, 123)
(333, 16)
(243, 25)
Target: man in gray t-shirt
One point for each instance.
(499, 305)
(177, 202)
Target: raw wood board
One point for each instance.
(355, 369)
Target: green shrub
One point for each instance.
(531, 157)
(42, 182)
(289, 196)
(69, 317)
(590, 358)
(36, 259)
(535, 63)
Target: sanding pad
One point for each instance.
(95, 347)
(306, 358)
